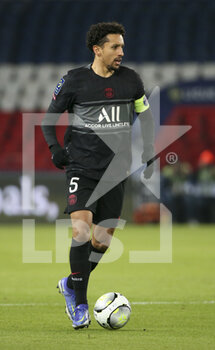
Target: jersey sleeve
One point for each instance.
(141, 103)
(61, 99)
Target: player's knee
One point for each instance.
(102, 237)
(99, 246)
(102, 242)
(81, 233)
(80, 230)
(110, 231)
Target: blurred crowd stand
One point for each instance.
(188, 193)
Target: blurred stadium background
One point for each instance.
(170, 44)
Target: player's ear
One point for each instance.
(97, 50)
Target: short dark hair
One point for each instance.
(97, 33)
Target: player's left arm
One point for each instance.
(142, 108)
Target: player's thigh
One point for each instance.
(109, 207)
(79, 190)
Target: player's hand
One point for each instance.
(60, 157)
(146, 156)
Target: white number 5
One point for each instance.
(73, 182)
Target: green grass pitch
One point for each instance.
(32, 312)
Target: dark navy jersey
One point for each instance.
(100, 112)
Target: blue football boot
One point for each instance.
(69, 295)
(81, 318)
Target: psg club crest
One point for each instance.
(109, 92)
(72, 199)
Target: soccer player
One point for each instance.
(101, 99)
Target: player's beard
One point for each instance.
(111, 68)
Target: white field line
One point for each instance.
(202, 302)
(173, 302)
(31, 304)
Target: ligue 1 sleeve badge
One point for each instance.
(59, 87)
(109, 93)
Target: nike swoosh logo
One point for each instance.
(75, 273)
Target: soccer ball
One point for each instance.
(112, 310)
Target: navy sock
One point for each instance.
(80, 267)
(95, 256)
(69, 282)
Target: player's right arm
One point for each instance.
(59, 104)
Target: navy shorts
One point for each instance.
(79, 190)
